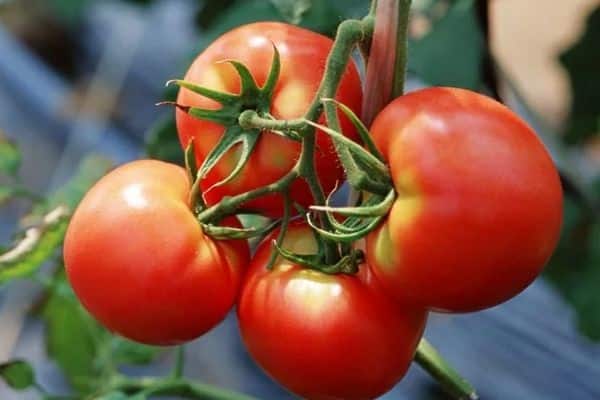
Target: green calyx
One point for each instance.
(348, 264)
(360, 221)
(251, 97)
(227, 232)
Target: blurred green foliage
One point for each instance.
(71, 336)
(10, 157)
(162, 142)
(17, 374)
(575, 266)
(87, 353)
(582, 62)
(70, 11)
(451, 53)
(49, 232)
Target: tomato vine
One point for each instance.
(350, 34)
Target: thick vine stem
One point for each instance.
(450, 380)
(349, 31)
(173, 387)
(179, 362)
(401, 48)
(230, 204)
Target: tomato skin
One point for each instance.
(480, 203)
(324, 336)
(139, 262)
(303, 55)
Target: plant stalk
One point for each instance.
(173, 387)
(401, 49)
(450, 380)
(179, 362)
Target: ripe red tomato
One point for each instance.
(324, 336)
(140, 263)
(479, 204)
(303, 55)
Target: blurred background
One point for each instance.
(79, 80)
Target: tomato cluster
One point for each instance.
(477, 213)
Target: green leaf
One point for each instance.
(349, 8)
(68, 11)
(233, 136)
(582, 64)
(35, 247)
(10, 156)
(91, 169)
(49, 223)
(72, 337)
(220, 97)
(82, 348)
(17, 374)
(451, 53)
(6, 193)
(322, 17)
(162, 142)
(292, 10)
(575, 266)
(347, 237)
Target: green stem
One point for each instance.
(285, 220)
(179, 362)
(230, 204)
(174, 387)
(373, 8)
(250, 119)
(450, 380)
(349, 33)
(401, 49)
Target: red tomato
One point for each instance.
(140, 263)
(324, 336)
(479, 204)
(303, 55)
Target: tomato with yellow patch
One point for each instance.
(324, 336)
(479, 205)
(139, 262)
(303, 57)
